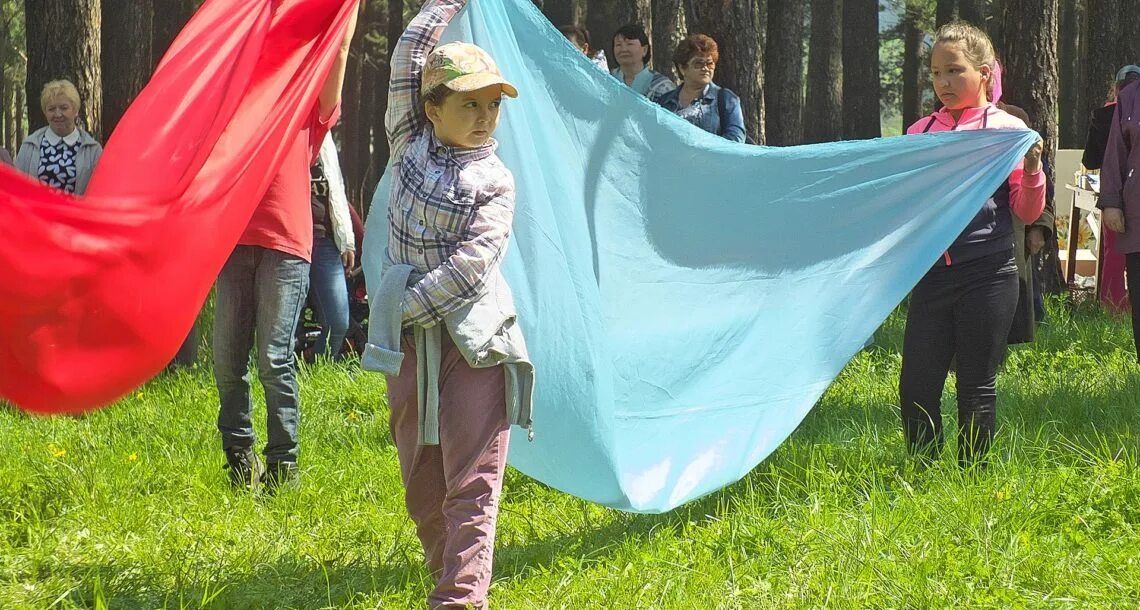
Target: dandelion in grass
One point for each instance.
(134, 457)
(56, 451)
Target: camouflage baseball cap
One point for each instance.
(463, 67)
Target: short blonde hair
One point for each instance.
(57, 88)
(976, 46)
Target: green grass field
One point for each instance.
(129, 507)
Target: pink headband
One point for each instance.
(997, 82)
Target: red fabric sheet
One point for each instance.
(97, 293)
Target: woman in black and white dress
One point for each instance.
(61, 155)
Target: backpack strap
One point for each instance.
(929, 124)
(722, 110)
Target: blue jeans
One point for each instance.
(328, 293)
(260, 293)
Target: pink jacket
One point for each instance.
(992, 229)
(1026, 192)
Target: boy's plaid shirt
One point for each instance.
(451, 209)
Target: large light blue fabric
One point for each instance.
(686, 300)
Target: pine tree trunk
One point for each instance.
(394, 23)
(170, 16)
(973, 11)
(21, 117)
(861, 69)
(126, 59)
(1128, 45)
(1102, 32)
(668, 30)
(564, 12)
(913, 67)
(1072, 119)
(823, 111)
(994, 26)
(604, 17)
(63, 42)
(1030, 80)
(784, 73)
(944, 12)
(737, 27)
(5, 45)
(377, 86)
(355, 125)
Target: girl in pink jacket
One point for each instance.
(964, 306)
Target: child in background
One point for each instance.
(579, 37)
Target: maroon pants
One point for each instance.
(452, 489)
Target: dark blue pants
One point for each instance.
(961, 312)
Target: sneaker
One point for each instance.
(279, 475)
(245, 468)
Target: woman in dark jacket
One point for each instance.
(1101, 120)
(698, 99)
(1111, 286)
(1120, 191)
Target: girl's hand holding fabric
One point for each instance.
(1033, 158)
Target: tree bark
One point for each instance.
(356, 126)
(170, 16)
(737, 27)
(1030, 80)
(376, 86)
(913, 68)
(21, 117)
(394, 23)
(564, 12)
(6, 46)
(944, 12)
(823, 112)
(668, 30)
(127, 57)
(63, 42)
(973, 11)
(604, 17)
(1031, 66)
(861, 70)
(1102, 33)
(1128, 45)
(1072, 119)
(994, 26)
(784, 73)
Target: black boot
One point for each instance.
(245, 468)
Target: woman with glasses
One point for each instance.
(699, 100)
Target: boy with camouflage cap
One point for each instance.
(449, 215)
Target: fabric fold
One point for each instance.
(686, 300)
(100, 291)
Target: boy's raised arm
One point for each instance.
(405, 112)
